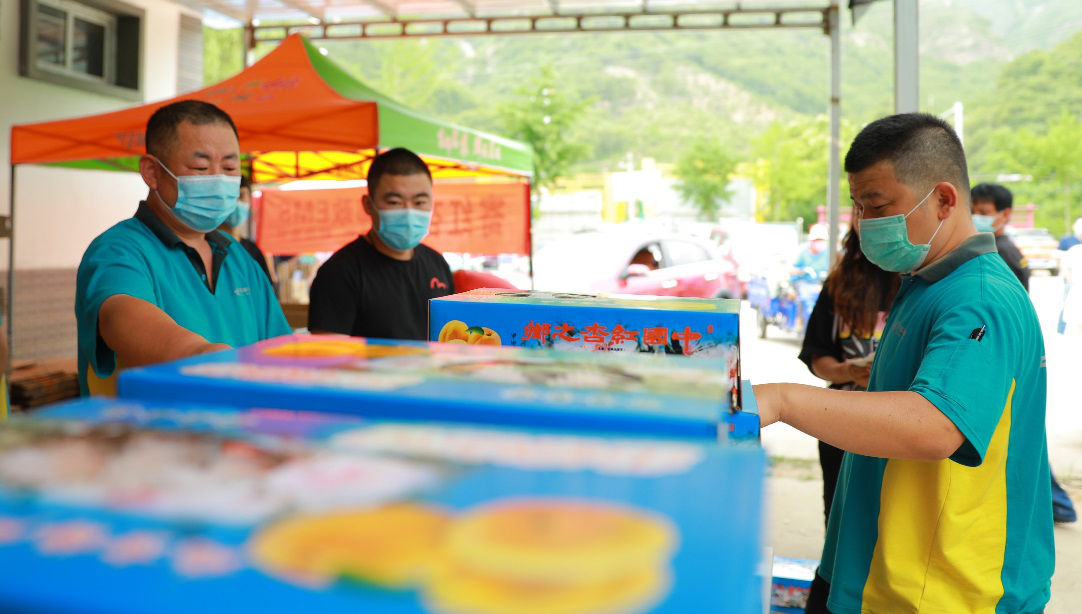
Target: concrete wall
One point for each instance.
(59, 211)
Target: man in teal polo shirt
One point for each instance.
(943, 503)
(166, 284)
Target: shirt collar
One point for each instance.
(166, 235)
(977, 245)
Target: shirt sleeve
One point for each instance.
(966, 372)
(108, 268)
(819, 337)
(333, 297)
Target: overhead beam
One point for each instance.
(564, 23)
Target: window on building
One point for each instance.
(92, 45)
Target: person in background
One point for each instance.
(1067, 263)
(943, 501)
(645, 258)
(842, 335)
(1075, 238)
(236, 220)
(380, 284)
(992, 207)
(815, 255)
(166, 284)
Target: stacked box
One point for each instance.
(124, 507)
(585, 322)
(792, 580)
(408, 380)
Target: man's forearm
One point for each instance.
(901, 425)
(142, 334)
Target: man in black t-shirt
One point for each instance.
(993, 203)
(992, 206)
(380, 284)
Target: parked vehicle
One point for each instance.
(758, 248)
(1039, 247)
(636, 261)
(786, 305)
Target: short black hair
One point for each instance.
(994, 193)
(922, 148)
(398, 161)
(161, 132)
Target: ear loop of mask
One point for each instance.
(156, 192)
(938, 228)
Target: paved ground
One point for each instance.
(796, 483)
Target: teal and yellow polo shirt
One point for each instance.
(972, 533)
(143, 258)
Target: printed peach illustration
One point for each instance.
(452, 331)
(480, 335)
(457, 331)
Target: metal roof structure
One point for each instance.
(272, 20)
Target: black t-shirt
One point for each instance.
(1010, 253)
(257, 254)
(363, 293)
(827, 335)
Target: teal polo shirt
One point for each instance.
(972, 533)
(143, 258)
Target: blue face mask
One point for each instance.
(403, 229)
(239, 215)
(203, 201)
(985, 223)
(885, 242)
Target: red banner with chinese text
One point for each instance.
(475, 218)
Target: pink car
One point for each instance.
(636, 262)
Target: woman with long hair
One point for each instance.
(842, 335)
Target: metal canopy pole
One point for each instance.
(906, 57)
(833, 166)
(11, 267)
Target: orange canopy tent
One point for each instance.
(299, 116)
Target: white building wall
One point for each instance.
(59, 211)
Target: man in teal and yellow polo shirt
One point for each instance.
(166, 284)
(943, 503)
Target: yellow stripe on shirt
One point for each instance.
(942, 533)
(102, 386)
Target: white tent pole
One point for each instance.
(833, 166)
(906, 56)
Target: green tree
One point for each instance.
(790, 168)
(419, 73)
(543, 115)
(1051, 158)
(703, 170)
(223, 54)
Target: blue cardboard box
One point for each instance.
(123, 507)
(586, 322)
(406, 380)
(792, 580)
